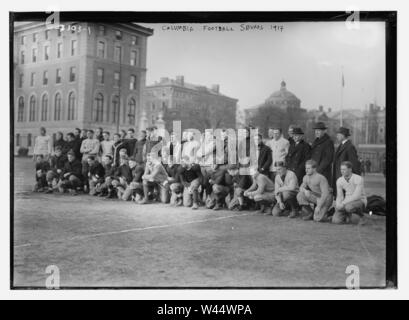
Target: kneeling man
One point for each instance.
(314, 190)
(261, 191)
(350, 195)
(286, 189)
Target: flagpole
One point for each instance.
(342, 97)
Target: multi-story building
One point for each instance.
(195, 106)
(84, 75)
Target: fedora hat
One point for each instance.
(297, 130)
(344, 131)
(320, 126)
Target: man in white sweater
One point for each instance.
(351, 197)
(279, 148)
(42, 145)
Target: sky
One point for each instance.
(250, 62)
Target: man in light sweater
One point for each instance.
(279, 148)
(351, 197)
(261, 191)
(315, 191)
(286, 189)
(42, 145)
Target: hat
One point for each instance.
(344, 131)
(320, 126)
(297, 130)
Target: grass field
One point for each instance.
(98, 242)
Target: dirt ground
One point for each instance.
(108, 243)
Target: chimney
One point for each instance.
(329, 110)
(216, 88)
(180, 80)
(321, 108)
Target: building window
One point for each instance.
(46, 52)
(20, 80)
(45, 78)
(131, 111)
(117, 54)
(44, 108)
(134, 58)
(32, 110)
(115, 108)
(73, 47)
(71, 106)
(132, 83)
(32, 79)
(22, 57)
(118, 35)
(23, 40)
(101, 49)
(99, 108)
(72, 74)
(29, 140)
(59, 50)
(59, 32)
(100, 75)
(35, 51)
(47, 34)
(17, 140)
(57, 107)
(58, 75)
(116, 79)
(20, 112)
(101, 30)
(35, 37)
(134, 40)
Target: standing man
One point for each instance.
(298, 154)
(264, 158)
(98, 134)
(89, 147)
(351, 197)
(139, 146)
(60, 142)
(279, 147)
(107, 145)
(74, 144)
(322, 151)
(368, 165)
(42, 145)
(117, 146)
(291, 133)
(130, 141)
(151, 141)
(315, 191)
(346, 151)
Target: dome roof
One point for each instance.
(282, 95)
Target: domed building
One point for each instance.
(283, 98)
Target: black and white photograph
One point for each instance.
(203, 150)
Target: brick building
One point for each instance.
(195, 106)
(84, 75)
